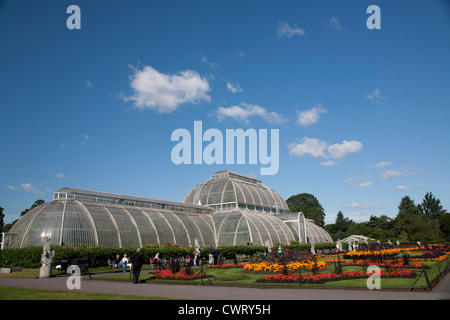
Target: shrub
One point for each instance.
(98, 256)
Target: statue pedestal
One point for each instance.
(45, 271)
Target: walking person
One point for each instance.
(216, 255)
(210, 255)
(136, 265)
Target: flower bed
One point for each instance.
(384, 264)
(431, 256)
(369, 253)
(326, 277)
(225, 266)
(264, 267)
(168, 275)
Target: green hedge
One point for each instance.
(98, 257)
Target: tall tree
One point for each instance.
(2, 221)
(309, 205)
(407, 209)
(432, 207)
(444, 222)
(35, 204)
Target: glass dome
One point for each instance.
(228, 191)
(228, 209)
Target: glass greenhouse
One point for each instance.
(227, 209)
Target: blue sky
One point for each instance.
(362, 114)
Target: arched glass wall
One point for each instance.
(83, 223)
(305, 230)
(240, 227)
(228, 209)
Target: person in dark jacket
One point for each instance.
(136, 265)
(216, 255)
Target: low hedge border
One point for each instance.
(98, 256)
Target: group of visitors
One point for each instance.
(213, 255)
(135, 264)
(123, 263)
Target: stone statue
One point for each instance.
(313, 248)
(269, 245)
(197, 244)
(339, 245)
(46, 259)
(349, 246)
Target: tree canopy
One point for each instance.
(427, 221)
(309, 205)
(34, 205)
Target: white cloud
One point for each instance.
(329, 163)
(334, 24)
(389, 174)
(309, 117)
(85, 139)
(244, 111)
(358, 206)
(26, 187)
(89, 83)
(165, 92)
(374, 95)
(364, 184)
(355, 182)
(402, 188)
(312, 146)
(234, 88)
(341, 151)
(319, 148)
(60, 175)
(383, 164)
(204, 58)
(285, 30)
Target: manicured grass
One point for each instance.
(234, 277)
(25, 273)
(38, 294)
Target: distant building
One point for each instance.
(227, 209)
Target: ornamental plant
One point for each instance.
(182, 275)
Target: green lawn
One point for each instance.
(234, 277)
(38, 294)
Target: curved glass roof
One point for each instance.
(228, 191)
(228, 209)
(240, 227)
(86, 223)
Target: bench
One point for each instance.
(83, 264)
(63, 266)
(111, 265)
(242, 257)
